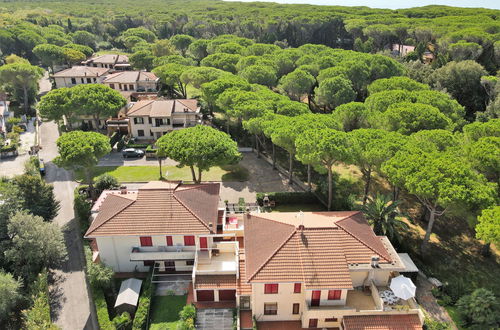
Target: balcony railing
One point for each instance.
(177, 252)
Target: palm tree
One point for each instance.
(384, 215)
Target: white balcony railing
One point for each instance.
(176, 252)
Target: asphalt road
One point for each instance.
(71, 304)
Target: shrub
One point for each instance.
(431, 324)
(106, 181)
(115, 137)
(17, 129)
(102, 309)
(299, 197)
(121, 143)
(32, 166)
(82, 208)
(122, 321)
(188, 312)
(38, 316)
(100, 276)
(481, 309)
(187, 324)
(141, 314)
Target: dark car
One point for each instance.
(41, 166)
(132, 153)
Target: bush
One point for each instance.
(82, 208)
(38, 316)
(299, 197)
(121, 143)
(32, 166)
(187, 324)
(122, 321)
(115, 137)
(141, 314)
(100, 276)
(188, 312)
(480, 310)
(102, 309)
(106, 181)
(430, 324)
(17, 129)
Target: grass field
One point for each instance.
(148, 173)
(165, 312)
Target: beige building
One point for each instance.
(77, 75)
(161, 222)
(150, 119)
(113, 62)
(128, 82)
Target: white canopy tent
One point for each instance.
(403, 287)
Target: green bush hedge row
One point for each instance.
(299, 197)
(141, 314)
(102, 310)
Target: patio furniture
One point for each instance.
(388, 297)
(403, 287)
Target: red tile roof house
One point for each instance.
(292, 270)
(161, 221)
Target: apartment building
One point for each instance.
(127, 82)
(77, 75)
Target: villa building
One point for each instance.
(113, 62)
(150, 119)
(299, 270)
(77, 75)
(128, 82)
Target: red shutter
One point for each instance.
(315, 297)
(169, 241)
(146, 241)
(297, 288)
(270, 288)
(334, 294)
(189, 240)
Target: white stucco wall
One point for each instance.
(66, 81)
(380, 277)
(285, 299)
(115, 252)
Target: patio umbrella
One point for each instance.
(403, 287)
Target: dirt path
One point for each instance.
(428, 302)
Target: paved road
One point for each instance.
(70, 303)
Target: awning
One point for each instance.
(410, 266)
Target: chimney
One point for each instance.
(123, 190)
(375, 260)
(211, 227)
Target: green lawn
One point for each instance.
(149, 173)
(165, 312)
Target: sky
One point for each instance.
(394, 4)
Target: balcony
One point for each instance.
(359, 302)
(220, 259)
(156, 253)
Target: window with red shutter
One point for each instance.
(334, 294)
(270, 288)
(189, 240)
(169, 241)
(297, 288)
(146, 241)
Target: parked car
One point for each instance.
(41, 166)
(132, 152)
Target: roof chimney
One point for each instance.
(375, 260)
(123, 190)
(211, 226)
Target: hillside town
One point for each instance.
(166, 172)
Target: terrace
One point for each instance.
(221, 258)
(156, 253)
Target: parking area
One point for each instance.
(170, 284)
(116, 159)
(214, 319)
(13, 166)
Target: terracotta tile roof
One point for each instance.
(243, 287)
(279, 249)
(130, 77)
(160, 208)
(108, 59)
(161, 108)
(81, 71)
(382, 322)
(216, 282)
